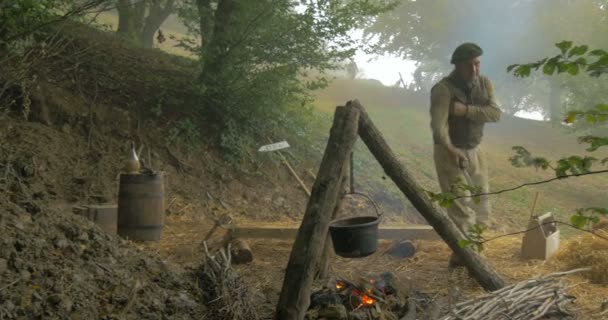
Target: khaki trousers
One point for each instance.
(466, 212)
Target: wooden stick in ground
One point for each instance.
(534, 204)
(434, 215)
(402, 82)
(292, 171)
(310, 241)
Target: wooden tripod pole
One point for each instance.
(485, 275)
(310, 240)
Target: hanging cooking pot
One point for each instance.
(356, 237)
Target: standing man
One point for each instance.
(461, 104)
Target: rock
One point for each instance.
(402, 249)
(61, 243)
(334, 311)
(9, 306)
(279, 201)
(84, 237)
(26, 275)
(66, 304)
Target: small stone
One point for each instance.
(61, 243)
(83, 237)
(18, 225)
(77, 278)
(26, 275)
(9, 306)
(66, 304)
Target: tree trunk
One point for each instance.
(206, 23)
(436, 217)
(131, 18)
(156, 16)
(218, 45)
(310, 241)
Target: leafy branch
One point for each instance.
(572, 59)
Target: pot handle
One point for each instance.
(374, 204)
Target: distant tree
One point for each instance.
(257, 58)
(138, 20)
(352, 69)
(427, 32)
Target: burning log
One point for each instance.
(241, 252)
(372, 297)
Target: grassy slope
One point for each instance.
(405, 125)
(404, 122)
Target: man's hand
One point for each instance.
(459, 157)
(460, 109)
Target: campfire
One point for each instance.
(369, 298)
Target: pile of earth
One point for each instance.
(56, 265)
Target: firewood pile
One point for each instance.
(372, 297)
(224, 293)
(541, 298)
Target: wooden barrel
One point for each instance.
(141, 207)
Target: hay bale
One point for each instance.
(587, 251)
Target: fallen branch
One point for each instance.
(529, 299)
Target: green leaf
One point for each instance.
(573, 69)
(598, 52)
(549, 68)
(564, 46)
(571, 117)
(465, 243)
(602, 107)
(511, 67)
(522, 71)
(579, 220)
(578, 51)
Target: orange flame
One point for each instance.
(367, 300)
(340, 285)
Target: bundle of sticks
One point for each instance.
(541, 298)
(222, 289)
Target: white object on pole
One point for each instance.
(274, 146)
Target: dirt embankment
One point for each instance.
(69, 149)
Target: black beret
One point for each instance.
(466, 51)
